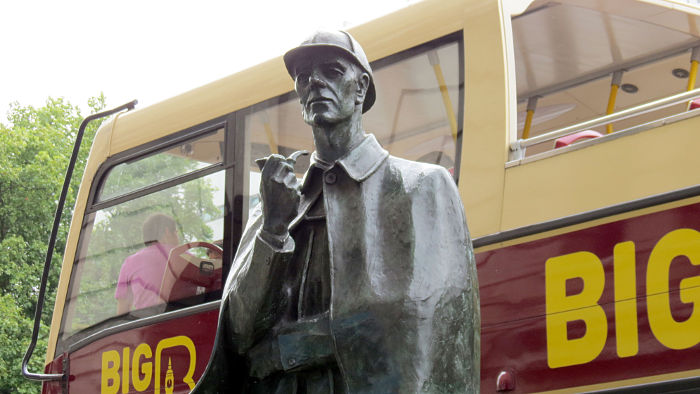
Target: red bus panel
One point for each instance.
(549, 310)
(165, 357)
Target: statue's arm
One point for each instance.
(264, 251)
(250, 281)
(256, 275)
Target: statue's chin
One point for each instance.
(317, 120)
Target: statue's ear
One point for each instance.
(362, 87)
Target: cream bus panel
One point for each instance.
(627, 168)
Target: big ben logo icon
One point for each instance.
(169, 378)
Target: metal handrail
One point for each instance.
(624, 114)
(45, 377)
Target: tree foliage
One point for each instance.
(35, 147)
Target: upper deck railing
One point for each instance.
(518, 148)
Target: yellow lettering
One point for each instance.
(668, 331)
(180, 340)
(562, 351)
(125, 371)
(141, 368)
(146, 368)
(110, 372)
(625, 300)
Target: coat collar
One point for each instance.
(361, 162)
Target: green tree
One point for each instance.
(35, 147)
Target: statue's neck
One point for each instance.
(335, 141)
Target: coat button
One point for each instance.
(291, 361)
(330, 178)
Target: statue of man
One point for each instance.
(362, 277)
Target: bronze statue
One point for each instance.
(362, 277)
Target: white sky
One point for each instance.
(151, 49)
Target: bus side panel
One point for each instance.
(165, 357)
(53, 387)
(552, 308)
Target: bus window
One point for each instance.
(416, 115)
(569, 53)
(153, 250)
(178, 160)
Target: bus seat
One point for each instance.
(187, 275)
(571, 138)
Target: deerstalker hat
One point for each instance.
(337, 41)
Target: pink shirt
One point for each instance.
(141, 275)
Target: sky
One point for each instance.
(151, 49)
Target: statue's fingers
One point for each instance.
(261, 162)
(290, 180)
(272, 164)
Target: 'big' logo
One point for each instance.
(138, 369)
(585, 306)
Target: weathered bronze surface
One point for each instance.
(362, 277)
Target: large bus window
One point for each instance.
(158, 251)
(416, 115)
(178, 160)
(569, 53)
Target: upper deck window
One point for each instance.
(159, 167)
(567, 51)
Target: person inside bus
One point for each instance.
(141, 273)
(360, 278)
(215, 254)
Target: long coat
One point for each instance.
(404, 313)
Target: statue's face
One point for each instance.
(328, 89)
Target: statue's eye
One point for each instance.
(333, 70)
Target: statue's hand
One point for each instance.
(280, 193)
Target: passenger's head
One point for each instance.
(212, 254)
(331, 76)
(160, 228)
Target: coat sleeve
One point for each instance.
(253, 276)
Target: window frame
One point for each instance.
(147, 150)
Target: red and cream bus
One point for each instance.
(569, 127)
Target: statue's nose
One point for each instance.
(315, 78)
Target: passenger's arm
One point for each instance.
(124, 305)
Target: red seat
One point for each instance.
(187, 275)
(571, 138)
(694, 104)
